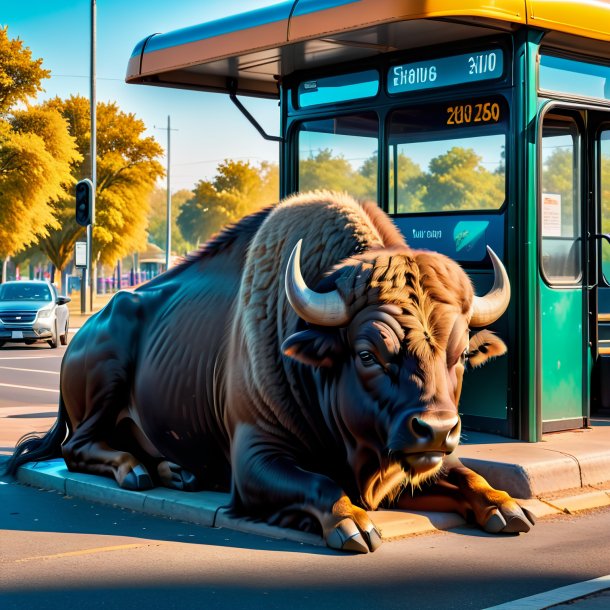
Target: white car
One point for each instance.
(30, 311)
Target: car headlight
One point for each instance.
(45, 313)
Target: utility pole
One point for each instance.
(168, 234)
(93, 152)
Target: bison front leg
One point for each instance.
(464, 491)
(268, 481)
(494, 510)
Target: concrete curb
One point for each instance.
(209, 508)
(566, 460)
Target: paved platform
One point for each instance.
(565, 473)
(577, 459)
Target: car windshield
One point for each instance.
(24, 292)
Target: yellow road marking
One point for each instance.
(101, 549)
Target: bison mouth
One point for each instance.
(420, 463)
(402, 471)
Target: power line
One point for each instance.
(82, 76)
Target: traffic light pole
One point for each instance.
(83, 287)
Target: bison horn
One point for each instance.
(489, 308)
(323, 309)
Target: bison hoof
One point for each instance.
(137, 479)
(512, 521)
(346, 536)
(175, 477)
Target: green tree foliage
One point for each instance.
(238, 189)
(127, 169)
(324, 170)
(458, 181)
(408, 188)
(455, 180)
(36, 152)
(157, 219)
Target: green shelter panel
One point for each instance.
(561, 353)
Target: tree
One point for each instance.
(157, 219)
(408, 188)
(127, 168)
(36, 152)
(324, 170)
(238, 189)
(20, 75)
(457, 181)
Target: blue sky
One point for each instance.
(208, 127)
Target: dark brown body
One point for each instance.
(207, 377)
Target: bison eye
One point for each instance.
(367, 358)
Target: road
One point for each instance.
(58, 552)
(29, 389)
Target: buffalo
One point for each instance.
(306, 359)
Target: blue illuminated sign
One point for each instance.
(446, 71)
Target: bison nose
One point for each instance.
(435, 431)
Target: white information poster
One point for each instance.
(551, 215)
(80, 254)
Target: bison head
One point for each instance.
(390, 343)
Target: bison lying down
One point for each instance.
(306, 359)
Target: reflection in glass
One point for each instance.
(604, 189)
(341, 88)
(340, 154)
(577, 77)
(448, 157)
(560, 217)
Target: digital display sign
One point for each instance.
(470, 114)
(446, 71)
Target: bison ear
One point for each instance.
(483, 346)
(313, 347)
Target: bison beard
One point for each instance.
(310, 405)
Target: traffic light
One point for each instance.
(85, 202)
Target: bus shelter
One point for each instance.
(472, 124)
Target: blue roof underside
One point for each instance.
(235, 23)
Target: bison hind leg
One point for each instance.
(130, 436)
(97, 457)
(175, 477)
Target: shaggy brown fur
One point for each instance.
(377, 267)
(333, 227)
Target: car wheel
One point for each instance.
(53, 341)
(63, 339)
